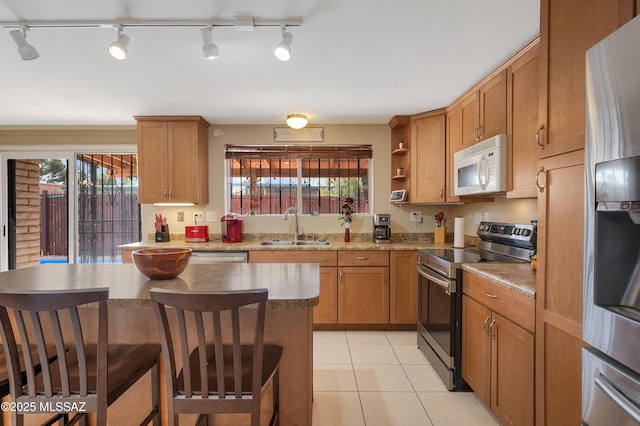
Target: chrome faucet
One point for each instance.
(295, 221)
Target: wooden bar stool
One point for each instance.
(85, 377)
(216, 376)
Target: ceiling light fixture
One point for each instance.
(209, 48)
(118, 49)
(27, 52)
(296, 121)
(283, 49)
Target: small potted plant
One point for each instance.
(399, 171)
(401, 144)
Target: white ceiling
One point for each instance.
(353, 61)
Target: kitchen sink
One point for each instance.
(295, 243)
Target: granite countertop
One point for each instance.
(290, 285)
(518, 277)
(254, 244)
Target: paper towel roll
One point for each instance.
(458, 233)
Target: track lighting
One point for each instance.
(27, 52)
(118, 49)
(209, 48)
(283, 49)
(296, 121)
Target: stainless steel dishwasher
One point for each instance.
(219, 256)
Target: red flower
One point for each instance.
(347, 214)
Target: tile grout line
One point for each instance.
(353, 371)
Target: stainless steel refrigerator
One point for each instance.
(611, 318)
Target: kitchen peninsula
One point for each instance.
(293, 291)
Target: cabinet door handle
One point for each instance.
(170, 193)
(540, 184)
(480, 134)
(340, 273)
(493, 336)
(164, 193)
(540, 144)
(441, 192)
(362, 258)
(484, 325)
(491, 295)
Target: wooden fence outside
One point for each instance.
(104, 223)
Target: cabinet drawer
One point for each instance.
(363, 258)
(323, 257)
(516, 307)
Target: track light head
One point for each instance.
(209, 48)
(283, 49)
(26, 51)
(118, 49)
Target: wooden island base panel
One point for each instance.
(293, 291)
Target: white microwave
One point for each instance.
(481, 168)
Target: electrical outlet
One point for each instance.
(180, 216)
(485, 216)
(478, 218)
(212, 216)
(198, 217)
(416, 217)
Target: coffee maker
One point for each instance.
(381, 228)
(231, 228)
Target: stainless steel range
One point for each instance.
(440, 291)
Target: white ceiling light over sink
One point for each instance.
(296, 121)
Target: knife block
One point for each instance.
(163, 237)
(439, 234)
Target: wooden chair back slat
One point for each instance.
(217, 343)
(59, 342)
(202, 353)
(78, 338)
(237, 354)
(184, 352)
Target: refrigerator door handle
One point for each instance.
(604, 383)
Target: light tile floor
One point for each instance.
(382, 379)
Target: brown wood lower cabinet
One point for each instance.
(497, 352)
(363, 287)
(363, 294)
(403, 293)
(374, 288)
(326, 311)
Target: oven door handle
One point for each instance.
(620, 399)
(447, 285)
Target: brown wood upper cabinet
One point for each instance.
(173, 160)
(522, 122)
(453, 145)
(428, 158)
(577, 25)
(483, 111)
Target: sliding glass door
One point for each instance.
(66, 207)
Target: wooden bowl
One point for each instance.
(161, 263)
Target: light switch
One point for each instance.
(212, 216)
